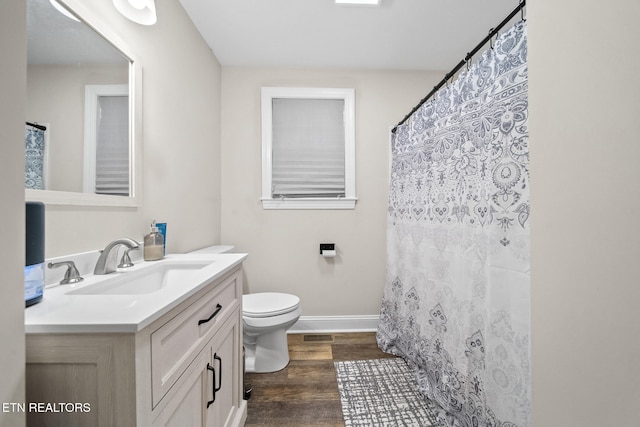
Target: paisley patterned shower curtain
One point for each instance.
(456, 301)
(35, 159)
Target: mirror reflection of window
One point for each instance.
(112, 146)
(106, 143)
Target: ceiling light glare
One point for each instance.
(63, 10)
(141, 11)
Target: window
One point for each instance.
(106, 164)
(308, 148)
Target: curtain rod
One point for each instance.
(37, 126)
(466, 59)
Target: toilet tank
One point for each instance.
(218, 249)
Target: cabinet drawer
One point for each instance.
(175, 344)
(208, 393)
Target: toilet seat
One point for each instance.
(268, 304)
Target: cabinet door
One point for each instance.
(185, 405)
(225, 393)
(208, 393)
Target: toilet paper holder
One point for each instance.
(327, 247)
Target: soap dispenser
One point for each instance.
(153, 244)
(34, 254)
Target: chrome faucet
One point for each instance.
(108, 256)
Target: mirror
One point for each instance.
(81, 105)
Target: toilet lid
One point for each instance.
(267, 304)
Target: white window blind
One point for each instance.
(308, 148)
(112, 145)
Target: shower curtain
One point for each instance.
(34, 168)
(456, 300)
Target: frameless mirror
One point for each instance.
(79, 139)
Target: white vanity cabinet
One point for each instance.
(184, 369)
(203, 386)
(204, 395)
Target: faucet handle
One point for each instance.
(71, 275)
(125, 261)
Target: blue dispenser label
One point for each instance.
(33, 282)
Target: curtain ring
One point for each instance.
(490, 39)
(522, 3)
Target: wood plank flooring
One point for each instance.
(305, 393)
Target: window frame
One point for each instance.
(92, 96)
(349, 199)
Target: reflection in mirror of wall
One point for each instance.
(65, 56)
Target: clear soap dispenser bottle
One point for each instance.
(153, 244)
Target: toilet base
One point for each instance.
(267, 352)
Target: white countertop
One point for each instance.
(59, 312)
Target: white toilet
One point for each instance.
(266, 317)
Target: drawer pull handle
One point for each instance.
(213, 385)
(219, 359)
(218, 308)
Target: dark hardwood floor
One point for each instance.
(305, 393)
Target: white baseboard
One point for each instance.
(335, 324)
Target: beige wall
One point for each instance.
(12, 107)
(181, 139)
(585, 146)
(283, 245)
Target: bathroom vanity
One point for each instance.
(169, 355)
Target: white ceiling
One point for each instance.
(398, 34)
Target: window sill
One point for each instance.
(310, 203)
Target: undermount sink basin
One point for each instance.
(146, 280)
